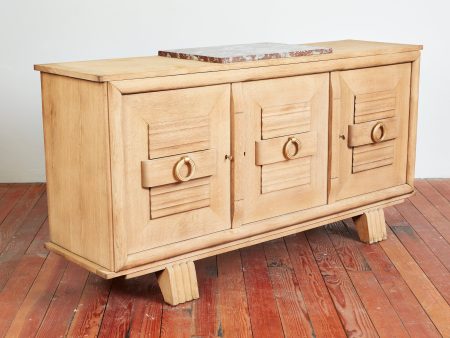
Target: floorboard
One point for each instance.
(320, 283)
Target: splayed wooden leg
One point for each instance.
(371, 226)
(178, 283)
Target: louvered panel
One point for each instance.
(286, 120)
(285, 174)
(374, 106)
(178, 136)
(179, 197)
(373, 156)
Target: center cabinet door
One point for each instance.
(172, 181)
(280, 146)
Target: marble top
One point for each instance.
(245, 52)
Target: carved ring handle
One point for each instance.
(185, 160)
(378, 132)
(296, 143)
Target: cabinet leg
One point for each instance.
(178, 283)
(371, 226)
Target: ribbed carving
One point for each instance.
(178, 283)
(373, 155)
(371, 226)
(179, 197)
(375, 106)
(178, 136)
(286, 119)
(285, 174)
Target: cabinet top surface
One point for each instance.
(155, 66)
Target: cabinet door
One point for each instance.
(369, 129)
(175, 182)
(280, 146)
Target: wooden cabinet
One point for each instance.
(153, 163)
(172, 175)
(370, 115)
(281, 130)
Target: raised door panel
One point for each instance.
(279, 146)
(175, 183)
(369, 138)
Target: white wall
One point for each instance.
(50, 31)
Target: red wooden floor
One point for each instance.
(321, 283)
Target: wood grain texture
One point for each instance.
(232, 302)
(177, 321)
(175, 198)
(147, 310)
(287, 119)
(10, 197)
(13, 252)
(424, 257)
(381, 312)
(271, 151)
(374, 106)
(397, 286)
(121, 69)
(321, 310)
(267, 178)
(75, 116)
(291, 305)
(18, 285)
(434, 197)
(403, 300)
(260, 297)
(17, 215)
(205, 315)
(348, 304)
(371, 226)
(89, 312)
(347, 135)
(432, 213)
(133, 116)
(413, 118)
(360, 134)
(32, 311)
(432, 238)
(430, 299)
(118, 314)
(442, 186)
(64, 303)
(178, 283)
(373, 156)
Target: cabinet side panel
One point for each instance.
(75, 120)
(413, 112)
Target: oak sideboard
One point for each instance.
(153, 162)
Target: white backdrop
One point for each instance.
(51, 31)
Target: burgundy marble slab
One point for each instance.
(245, 52)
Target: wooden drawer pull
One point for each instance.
(378, 132)
(185, 160)
(296, 143)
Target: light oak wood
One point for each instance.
(371, 226)
(215, 244)
(348, 136)
(361, 134)
(272, 184)
(146, 228)
(144, 67)
(142, 85)
(413, 115)
(161, 171)
(271, 151)
(178, 283)
(150, 172)
(75, 120)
